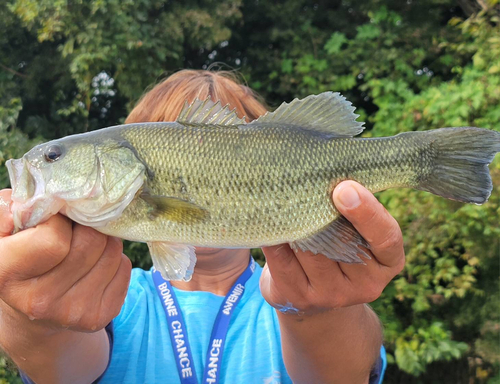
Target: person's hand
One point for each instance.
(59, 274)
(300, 282)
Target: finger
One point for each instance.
(365, 283)
(372, 221)
(109, 303)
(87, 246)
(6, 222)
(81, 306)
(98, 278)
(116, 291)
(337, 284)
(318, 268)
(284, 266)
(37, 250)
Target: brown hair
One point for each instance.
(164, 102)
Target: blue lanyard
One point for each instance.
(178, 332)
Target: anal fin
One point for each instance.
(173, 261)
(339, 241)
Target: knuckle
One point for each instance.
(53, 242)
(127, 261)
(127, 266)
(400, 265)
(112, 256)
(5, 193)
(91, 323)
(87, 238)
(115, 246)
(70, 320)
(393, 238)
(101, 316)
(337, 301)
(72, 314)
(113, 312)
(6, 222)
(39, 306)
(374, 215)
(373, 292)
(113, 306)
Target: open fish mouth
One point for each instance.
(30, 203)
(35, 198)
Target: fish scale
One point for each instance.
(270, 181)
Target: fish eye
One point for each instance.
(53, 153)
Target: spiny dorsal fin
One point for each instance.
(208, 112)
(327, 112)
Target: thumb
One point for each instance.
(372, 221)
(6, 221)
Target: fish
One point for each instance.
(210, 179)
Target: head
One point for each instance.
(164, 101)
(89, 178)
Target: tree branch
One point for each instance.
(13, 72)
(483, 4)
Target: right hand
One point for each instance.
(60, 274)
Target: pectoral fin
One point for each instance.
(339, 241)
(174, 209)
(173, 261)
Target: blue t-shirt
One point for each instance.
(142, 351)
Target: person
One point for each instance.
(69, 315)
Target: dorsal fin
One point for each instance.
(208, 112)
(327, 112)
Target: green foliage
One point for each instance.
(452, 249)
(71, 66)
(8, 375)
(137, 252)
(125, 44)
(13, 143)
(418, 346)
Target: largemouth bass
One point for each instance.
(210, 179)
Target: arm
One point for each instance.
(335, 337)
(52, 356)
(338, 346)
(60, 285)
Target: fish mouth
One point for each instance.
(31, 204)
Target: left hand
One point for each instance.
(304, 283)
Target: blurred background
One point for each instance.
(70, 66)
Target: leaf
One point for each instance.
(368, 32)
(334, 44)
(287, 66)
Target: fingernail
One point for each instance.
(349, 197)
(4, 204)
(6, 224)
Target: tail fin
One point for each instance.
(461, 163)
